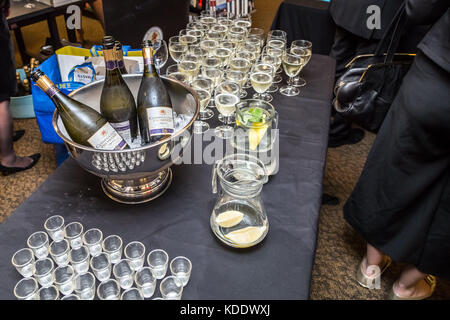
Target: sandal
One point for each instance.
(429, 279)
(369, 281)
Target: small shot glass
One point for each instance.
(108, 290)
(158, 261)
(59, 250)
(63, 277)
(84, 286)
(26, 289)
(23, 260)
(135, 252)
(112, 245)
(55, 227)
(171, 288)
(74, 232)
(92, 239)
(71, 297)
(43, 272)
(47, 293)
(131, 294)
(101, 266)
(181, 268)
(145, 282)
(123, 272)
(79, 258)
(38, 242)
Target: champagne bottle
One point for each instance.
(119, 56)
(20, 89)
(117, 103)
(26, 86)
(154, 105)
(83, 124)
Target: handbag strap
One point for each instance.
(392, 35)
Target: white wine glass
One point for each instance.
(223, 54)
(240, 78)
(304, 49)
(204, 97)
(209, 45)
(205, 84)
(261, 78)
(226, 96)
(173, 73)
(292, 64)
(275, 62)
(275, 52)
(190, 66)
(177, 50)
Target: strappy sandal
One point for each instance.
(369, 281)
(429, 279)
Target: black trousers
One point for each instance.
(345, 47)
(401, 203)
(7, 63)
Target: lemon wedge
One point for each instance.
(229, 219)
(256, 133)
(245, 236)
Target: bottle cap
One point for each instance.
(118, 45)
(108, 42)
(36, 74)
(147, 44)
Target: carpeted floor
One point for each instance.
(339, 248)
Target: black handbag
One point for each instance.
(366, 90)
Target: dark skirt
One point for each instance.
(401, 203)
(7, 63)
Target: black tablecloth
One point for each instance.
(20, 13)
(278, 268)
(308, 20)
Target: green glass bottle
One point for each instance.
(119, 57)
(117, 103)
(83, 124)
(154, 105)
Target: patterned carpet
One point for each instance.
(339, 248)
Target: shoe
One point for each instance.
(355, 136)
(10, 170)
(329, 200)
(18, 134)
(369, 281)
(429, 279)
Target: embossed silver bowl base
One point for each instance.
(138, 190)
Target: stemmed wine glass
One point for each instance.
(172, 72)
(240, 78)
(226, 96)
(176, 48)
(205, 84)
(261, 78)
(292, 64)
(275, 62)
(304, 49)
(204, 97)
(161, 54)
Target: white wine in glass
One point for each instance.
(292, 64)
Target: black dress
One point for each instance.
(7, 63)
(401, 203)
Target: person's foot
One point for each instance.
(19, 164)
(18, 134)
(422, 290)
(355, 136)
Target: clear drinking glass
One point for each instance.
(161, 54)
(275, 62)
(112, 245)
(101, 266)
(131, 294)
(302, 48)
(158, 261)
(71, 297)
(172, 72)
(171, 288)
(277, 53)
(215, 74)
(92, 239)
(84, 285)
(80, 259)
(38, 242)
(23, 261)
(55, 227)
(177, 50)
(64, 279)
(47, 293)
(135, 252)
(199, 125)
(26, 289)
(59, 250)
(226, 97)
(44, 272)
(223, 54)
(257, 32)
(277, 34)
(292, 65)
(240, 78)
(74, 233)
(123, 272)
(261, 79)
(209, 45)
(145, 281)
(181, 268)
(108, 290)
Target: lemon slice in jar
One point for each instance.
(229, 219)
(245, 236)
(256, 133)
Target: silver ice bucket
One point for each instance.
(139, 174)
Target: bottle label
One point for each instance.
(123, 128)
(111, 65)
(51, 91)
(160, 120)
(106, 138)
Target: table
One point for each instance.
(278, 268)
(21, 16)
(308, 20)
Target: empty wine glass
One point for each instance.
(292, 64)
(161, 54)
